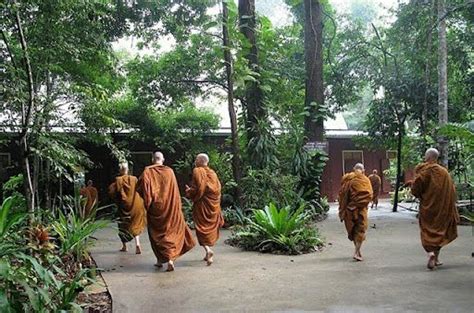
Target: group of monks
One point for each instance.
(432, 185)
(154, 200)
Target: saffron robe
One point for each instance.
(170, 236)
(438, 215)
(354, 197)
(205, 192)
(92, 199)
(132, 214)
(376, 183)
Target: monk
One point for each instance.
(170, 236)
(132, 214)
(376, 183)
(354, 197)
(438, 215)
(92, 198)
(205, 192)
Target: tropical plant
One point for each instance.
(29, 286)
(282, 230)
(74, 234)
(234, 216)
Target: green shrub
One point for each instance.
(259, 187)
(188, 211)
(283, 231)
(234, 216)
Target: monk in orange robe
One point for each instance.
(354, 197)
(170, 236)
(132, 214)
(376, 183)
(205, 192)
(438, 215)
(92, 198)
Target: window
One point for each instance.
(139, 160)
(350, 158)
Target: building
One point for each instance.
(341, 148)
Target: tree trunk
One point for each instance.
(314, 90)
(26, 117)
(253, 94)
(424, 113)
(399, 169)
(236, 165)
(442, 81)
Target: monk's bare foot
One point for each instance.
(431, 261)
(158, 264)
(138, 250)
(170, 266)
(124, 249)
(210, 259)
(358, 258)
(438, 263)
(205, 258)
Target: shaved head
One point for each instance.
(374, 171)
(202, 159)
(431, 155)
(123, 168)
(158, 158)
(90, 182)
(359, 167)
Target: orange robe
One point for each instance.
(354, 197)
(376, 183)
(438, 216)
(170, 236)
(205, 193)
(92, 199)
(132, 214)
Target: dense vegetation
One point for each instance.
(63, 84)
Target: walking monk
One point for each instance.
(205, 192)
(438, 217)
(92, 199)
(132, 214)
(354, 197)
(170, 236)
(376, 183)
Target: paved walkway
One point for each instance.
(392, 279)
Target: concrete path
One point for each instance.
(393, 278)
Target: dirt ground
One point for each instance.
(393, 278)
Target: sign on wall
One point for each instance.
(317, 146)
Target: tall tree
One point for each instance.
(253, 93)
(236, 165)
(442, 79)
(314, 90)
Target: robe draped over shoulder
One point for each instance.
(132, 214)
(170, 237)
(438, 215)
(205, 192)
(354, 197)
